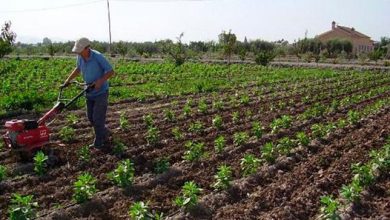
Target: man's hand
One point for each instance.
(98, 84)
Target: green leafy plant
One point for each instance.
(152, 135)
(219, 144)
(169, 115)
(257, 130)
(187, 110)
(84, 154)
(196, 127)
(202, 106)
(123, 122)
(194, 151)
(177, 134)
(3, 172)
(161, 165)
(249, 164)
(223, 177)
(269, 152)
(244, 99)
(217, 105)
(22, 207)
(353, 117)
(302, 139)
(84, 188)
(72, 119)
(351, 192)
(282, 122)
(119, 147)
(363, 174)
(40, 163)
(149, 121)
(285, 145)
(318, 131)
(329, 208)
(139, 211)
(189, 195)
(67, 134)
(123, 175)
(235, 117)
(217, 122)
(240, 138)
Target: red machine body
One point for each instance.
(26, 134)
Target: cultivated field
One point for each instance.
(248, 142)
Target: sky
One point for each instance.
(199, 20)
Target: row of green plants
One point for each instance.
(364, 175)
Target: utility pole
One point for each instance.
(109, 26)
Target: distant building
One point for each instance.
(361, 42)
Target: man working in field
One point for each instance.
(95, 70)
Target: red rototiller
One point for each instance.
(26, 136)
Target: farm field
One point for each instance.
(248, 142)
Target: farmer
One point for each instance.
(95, 70)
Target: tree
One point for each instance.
(121, 48)
(7, 39)
(228, 43)
(176, 51)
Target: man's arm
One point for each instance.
(72, 75)
(98, 83)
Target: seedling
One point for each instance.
(285, 145)
(161, 165)
(169, 115)
(67, 134)
(249, 164)
(123, 122)
(84, 154)
(148, 119)
(282, 122)
(240, 138)
(123, 175)
(244, 99)
(353, 117)
(22, 207)
(217, 122)
(119, 147)
(194, 151)
(218, 105)
(139, 211)
(219, 144)
(268, 152)
(351, 192)
(363, 174)
(196, 127)
(257, 130)
(187, 110)
(72, 119)
(235, 117)
(329, 207)
(223, 178)
(3, 172)
(84, 188)
(177, 134)
(318, 131)
(152, 135)
(202, 106)
(302, 139)
(40, 163)
(189, 195)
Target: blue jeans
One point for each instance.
(96, 113)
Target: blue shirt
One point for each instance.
(92, 69)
